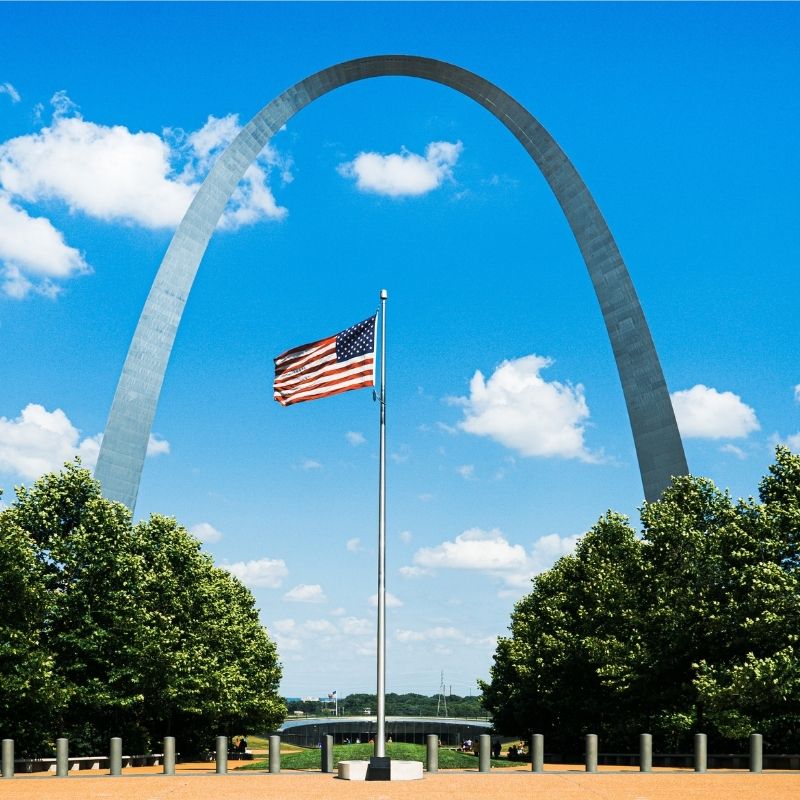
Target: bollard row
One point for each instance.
(646, 752)
(432, 754)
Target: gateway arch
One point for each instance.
(655, 433)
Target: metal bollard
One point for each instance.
(645, 752)
(62, 758)
(756, 752)
(700, 752)
(221, 754)
(432, 753)
(115, 756)
(591, 752)
(326, 754)
(537, 752)
(169, 755)
(8, 758)
(485, 752)
(274, 755)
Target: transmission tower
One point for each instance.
(442, 701)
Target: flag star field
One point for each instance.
(356, 341)
(507, 433)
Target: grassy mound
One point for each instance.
(310, 758)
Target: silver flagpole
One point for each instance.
(380, 738)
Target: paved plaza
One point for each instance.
(193, 781)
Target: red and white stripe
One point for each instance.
(310, 372)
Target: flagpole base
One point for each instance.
(380, 769)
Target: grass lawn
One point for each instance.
(260, 744)
(310, 758)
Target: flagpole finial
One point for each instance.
(384, 294)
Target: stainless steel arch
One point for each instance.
(658, 444)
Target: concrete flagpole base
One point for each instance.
(398, 771)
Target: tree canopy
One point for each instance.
(691, 626)
(113, 629)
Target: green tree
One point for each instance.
(569, 664)
(692, 627)
(755, 683)
(143, 635)
(213, 667)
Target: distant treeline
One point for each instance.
(397, 705)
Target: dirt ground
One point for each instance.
(568, 783)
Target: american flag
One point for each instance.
(330, 366)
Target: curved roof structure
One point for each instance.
(307, 731)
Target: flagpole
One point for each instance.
(380, 739)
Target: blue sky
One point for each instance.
(681, 118)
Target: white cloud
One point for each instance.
(263, 572)
(355, 438)
(442, 633)
(287, 644)
(112, 173)
(354, 545)
(404, 173)
(439, 632)
(7, 88)
(519, 409)
(309, 464)
(356, 626)
(320, 627)
(251, 201)
(205, 532)
(406, 536)
(40, 441)
(106, 172)
(413, 572)
(391, 601)
(466, 471)
(350, 632)
(306, 593)
(284, 625)
(425, 497)
(733, 450)
(492, 553)
(546, 551)
(704, 413)
(117, 175)
(473, 549)
(157, 446)
(797, 393)
(33, 253)
(211, 139)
